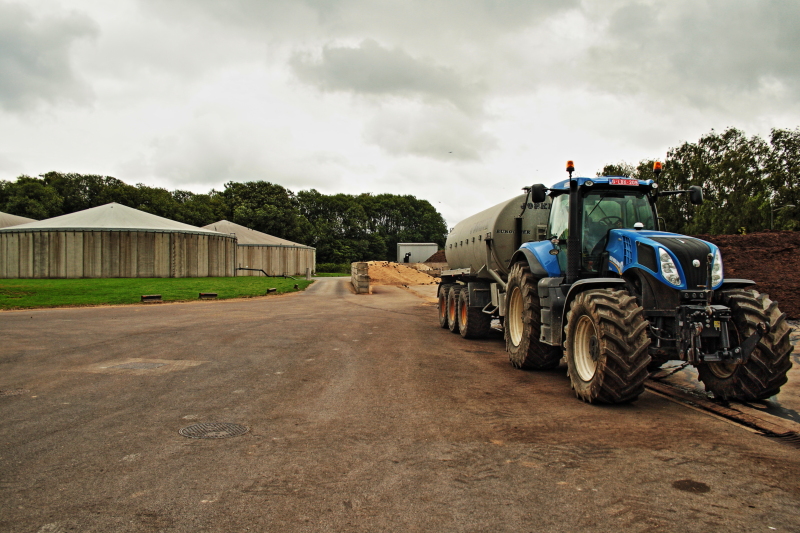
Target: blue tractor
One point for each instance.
(618, 298)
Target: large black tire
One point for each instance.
(473, 323)
(606, 345)
(523, 323)
(444, 288)
(452, 308)
(765, 372)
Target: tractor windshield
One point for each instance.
(607, 210)
(616, 210)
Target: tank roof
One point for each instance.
(7, 220)
(249, 236)
(110, 217)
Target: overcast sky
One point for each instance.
(459, 102)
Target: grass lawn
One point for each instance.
(30, 293)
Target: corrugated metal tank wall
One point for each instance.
(114, 254)
(275, 260)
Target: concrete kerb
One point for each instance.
(359, 277)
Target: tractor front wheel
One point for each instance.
(606, 345)
(765, 372)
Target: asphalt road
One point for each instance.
(363, 415)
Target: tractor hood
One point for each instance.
(664, 254)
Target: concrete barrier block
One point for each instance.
(359, 277)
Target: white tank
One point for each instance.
(466, 246)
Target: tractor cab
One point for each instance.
(604, 203)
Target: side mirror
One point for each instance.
(695, 195)
(538, 193)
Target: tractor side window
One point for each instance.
(559, 227)
(640, 212)
(559, 217)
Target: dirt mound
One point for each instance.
(770, 258)
(386, 273)
(438, 257)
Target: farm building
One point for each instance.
(418, 251)
(114, 241)
(275, 256)
(7, 220)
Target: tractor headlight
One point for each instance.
(668, 268)
(716, 269)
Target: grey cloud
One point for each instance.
(435, 133)
(374, 70)
(409, 19)
(713, 53)
(35, 64)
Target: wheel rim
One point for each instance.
(587, 348)
(451, 311)
(514, 318)
(463, 309)
(442, 305)
(722, 370)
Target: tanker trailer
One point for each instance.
(479, 251)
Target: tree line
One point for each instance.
(749, 183)
(342, 227)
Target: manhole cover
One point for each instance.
(139, 366)
(213, 430)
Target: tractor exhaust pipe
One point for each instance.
(573, 242)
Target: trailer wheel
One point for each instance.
(606, 344)
(765, 372)
(523, 323)
(473, 323)
(452, 308)
(443, 290)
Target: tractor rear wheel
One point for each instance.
(765, 372)
(443, 290)
(452, 308)
(606, 345)
(473, 323)
(523, 323)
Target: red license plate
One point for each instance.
(623, 182)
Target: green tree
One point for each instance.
(32, 198)
(738, 175)
(266, 207)
(783, 169)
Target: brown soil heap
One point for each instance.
(770, 258)
(386, 273)
(438, 257)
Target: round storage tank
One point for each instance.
(114, 241)
(257, 252)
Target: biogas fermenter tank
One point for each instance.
(506, 225)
